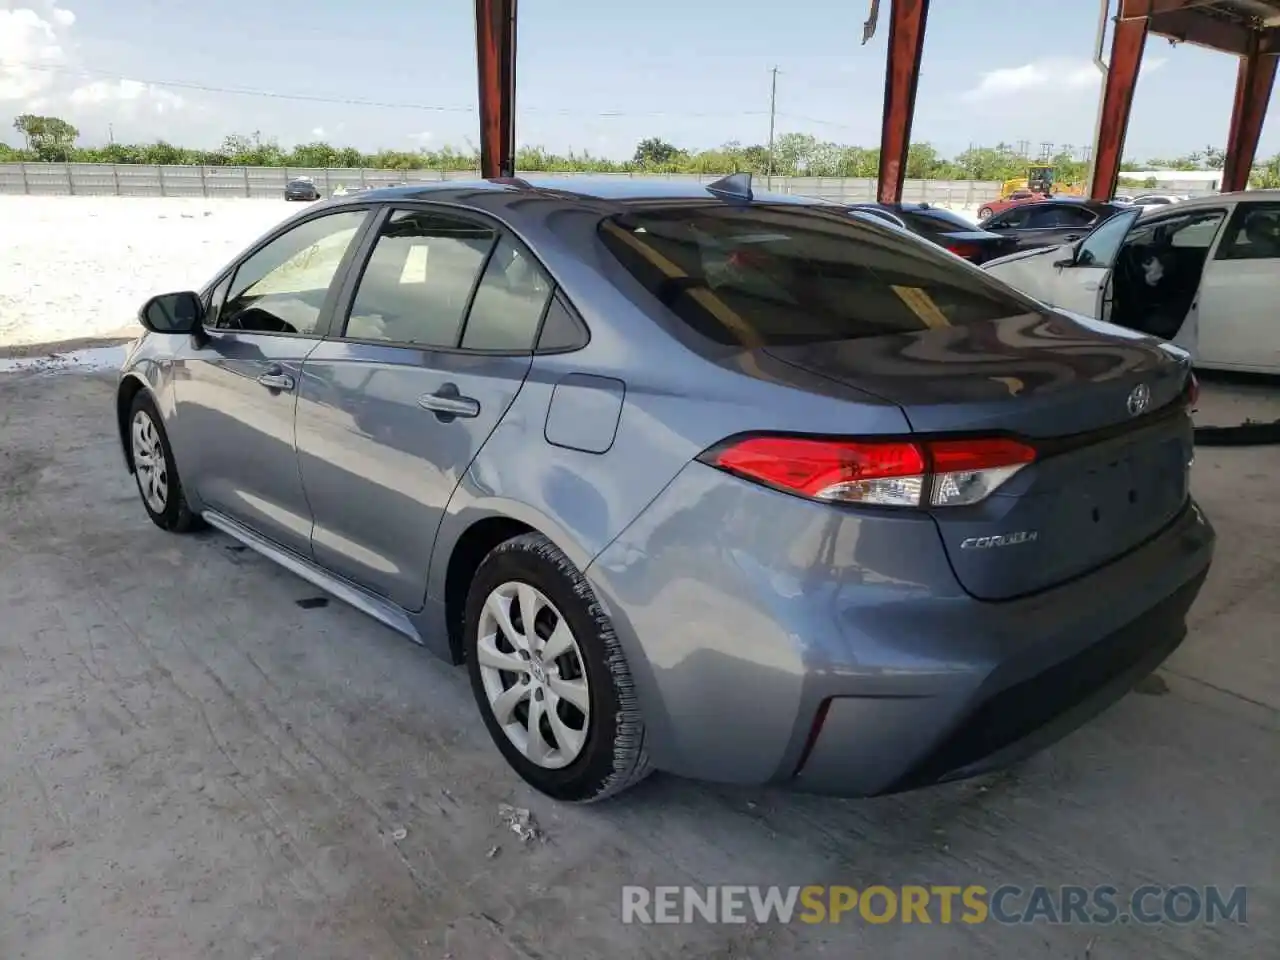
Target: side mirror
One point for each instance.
(173, 313)
(1066, 262)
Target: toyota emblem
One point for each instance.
(1139, 400)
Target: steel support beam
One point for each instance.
(902, 74)
(1255, 78)
(496, 68)
(1127, 40)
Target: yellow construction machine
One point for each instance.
(1039, 179)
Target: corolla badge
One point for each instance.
(1139, 400)
(1000, 540)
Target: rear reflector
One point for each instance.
(941, 473)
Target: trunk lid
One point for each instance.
(1111, 471)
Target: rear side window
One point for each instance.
(509, 302)
(771, 275)
(418, 281)
(935, 221)
(1253, 234)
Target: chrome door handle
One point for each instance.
(447, 403)
(276, 381)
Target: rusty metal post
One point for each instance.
(1255, 78)
(907, 20)
(1127, 42)
(496, 68)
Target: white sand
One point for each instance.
(74, 268)
(80, 267)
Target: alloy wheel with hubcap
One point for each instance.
(154, 468)
(149, 462)
(533, 675)
(550, 675)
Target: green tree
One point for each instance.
(49, 138)
(656, 152)
(1266, 175)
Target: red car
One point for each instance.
(1004, 203)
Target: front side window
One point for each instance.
(1099, 248)
(1254, 233)
(214, 301)
(1010, 219)
(509, 302)
(418, 282)
(772, 275)
(282, 287)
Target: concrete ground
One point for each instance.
(196, 762)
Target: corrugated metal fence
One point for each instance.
(145, 180)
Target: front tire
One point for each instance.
(155, 471)
(549, 674)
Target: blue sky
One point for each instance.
(592, 75)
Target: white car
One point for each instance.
(1203, 273)
(1156, 199)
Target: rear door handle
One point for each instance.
(276, 381)
(447, 403)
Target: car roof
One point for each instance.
(1213, 200)
(619, 189)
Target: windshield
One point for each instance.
(771, 275)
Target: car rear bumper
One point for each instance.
(774, 640)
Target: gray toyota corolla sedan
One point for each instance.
(725, 484)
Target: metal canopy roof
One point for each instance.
(1224, 25)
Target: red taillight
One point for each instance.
(883, 473)
(966, 250)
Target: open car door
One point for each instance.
(1104, 244)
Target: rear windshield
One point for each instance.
(773, 275)
(935, 221)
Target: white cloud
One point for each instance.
(133, 94)
(1054, 75)
(31, 51)
(422, 137)
(38, 69)
(318, 132)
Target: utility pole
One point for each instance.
(773, 113)
(111, 134)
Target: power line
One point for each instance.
(360, 102)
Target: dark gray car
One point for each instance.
(301, 188)
(719, 483)
(1048, 223)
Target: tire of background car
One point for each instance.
(984, 213)
(603, 750)
(147, 438)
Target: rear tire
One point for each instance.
(576, 755)
(155, 470)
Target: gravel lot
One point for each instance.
(79, 268)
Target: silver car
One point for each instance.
(691, 478)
